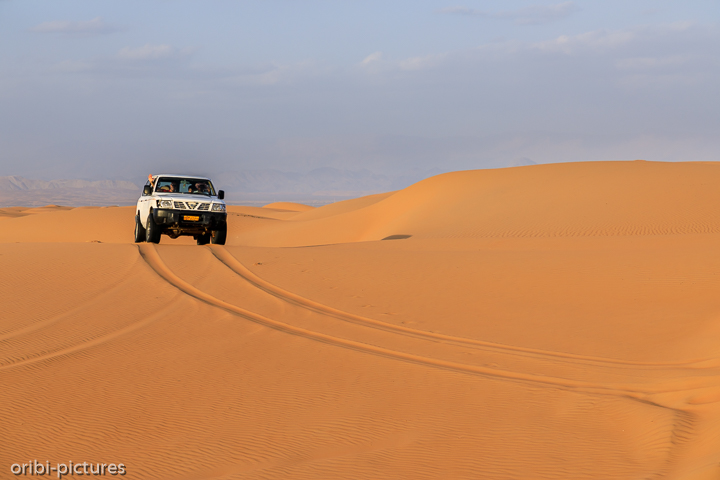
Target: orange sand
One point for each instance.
(552, 321)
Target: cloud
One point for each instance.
(147, 61)
(532, 15)
(596, 39)
(372, 58)
(376, 63)
(679, 54)
(669, 64)
(96, 26)
(614, 39)
(150, 52)
(422, 62)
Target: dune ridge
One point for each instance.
(289, 206)
(556, 200)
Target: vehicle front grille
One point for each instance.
(204, 206)
(179, 204)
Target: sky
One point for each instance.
(115, 89)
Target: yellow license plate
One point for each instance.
(191, 218)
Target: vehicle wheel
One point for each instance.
(139, 230)
(203, 239)
(152, 232)
(219, 236)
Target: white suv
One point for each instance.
(177, 205)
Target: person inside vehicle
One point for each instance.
(168, 188)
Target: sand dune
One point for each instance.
(557, 200)
(551, 321)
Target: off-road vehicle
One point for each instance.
(176, 205)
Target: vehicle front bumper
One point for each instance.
(175, 219)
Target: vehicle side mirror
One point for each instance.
(221, 194)
(147, 190)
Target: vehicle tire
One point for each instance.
(152, 232)
(203, 239)
(219, 236)
(139, 230)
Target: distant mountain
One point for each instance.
(15, 183)
(321, 181)
(20, 191)
(249, 187)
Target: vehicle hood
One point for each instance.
(187, 198)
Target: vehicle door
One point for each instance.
(144, 205)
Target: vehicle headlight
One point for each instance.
(218, 207)
(165, 203)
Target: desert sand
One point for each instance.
(551, 321)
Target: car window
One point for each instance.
(187, 186)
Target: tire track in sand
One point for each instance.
(642, 393)
(690, 430)
(241, 270)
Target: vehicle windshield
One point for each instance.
(189, 186)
